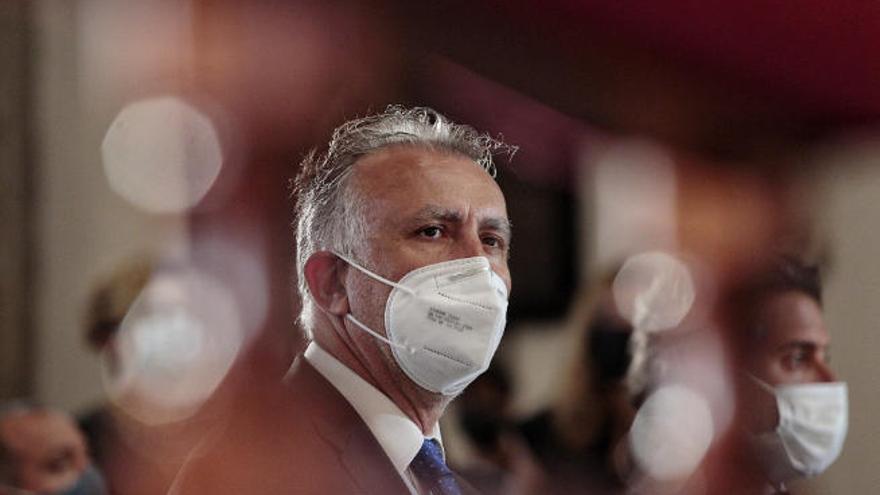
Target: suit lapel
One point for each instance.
(369, 466)
(339, 425)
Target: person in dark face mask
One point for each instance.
(43, 452)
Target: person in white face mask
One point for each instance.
(43, 452)
(402, 249)
(792, 410)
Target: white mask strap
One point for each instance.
(370, 331)
(761, 383)
(375, 276)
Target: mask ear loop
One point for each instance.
(761, 383)
(410, 349)
(375, 276)
(384, 280)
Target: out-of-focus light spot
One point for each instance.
(634, 187)
(654, 291)
(671, 433)
(236, 257)
(174, 347)
(699, 360)
(161, 155)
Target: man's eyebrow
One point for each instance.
(799, 344)
(434, 212)
(499, 224)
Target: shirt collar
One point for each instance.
(396, 433)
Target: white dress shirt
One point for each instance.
(397, 434)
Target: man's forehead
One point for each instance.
(487, 218)
(33, 425)
(793, 317)
(404, 160)
(416, 180)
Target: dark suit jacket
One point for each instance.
(304, 439)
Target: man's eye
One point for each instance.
(492, 241)
(432, 232)
(59, 463)
(796, 359)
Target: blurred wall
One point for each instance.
(16, 173)
(849, 209)
(83, 228)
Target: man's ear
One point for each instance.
(323, 272)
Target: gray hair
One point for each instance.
(328, 213)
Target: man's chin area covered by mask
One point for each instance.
(463, 296)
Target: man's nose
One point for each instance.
(824, 372)
(470, 245)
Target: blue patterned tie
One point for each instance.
(429, 468)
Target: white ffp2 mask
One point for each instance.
(444, 321)
(812, 428)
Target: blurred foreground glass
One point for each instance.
(671, 433)
(174, 347)
(654, 291)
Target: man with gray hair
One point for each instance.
(402, 247)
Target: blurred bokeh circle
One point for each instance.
(161, 154)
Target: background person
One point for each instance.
(43, 451)
(502, 462)
(137, 453)
(575, 440)
(778, 413)
(789, 398)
